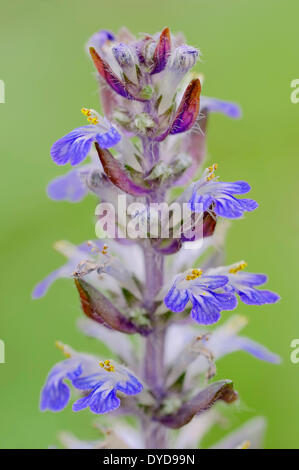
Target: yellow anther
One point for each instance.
(91, 115)
(104, 250)
(86, 112)
(238, 267)
(211, 170)
(107, 366)
(213, 167)
(93, 120)
(195, 273)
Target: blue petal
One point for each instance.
(89, 382)
(200, 203)
(257, 350)
(238, 187)
(55, 394)
(248, 205)
(232, 208)
(131, 386)
(214, 105)
(108, 139)
(81, 403)
(102, 403)
(64, 271)
(227, 301)
(75, 146)
(176, 299)
(252, 296)
(213, 282)
(75, 373)
(251, 279)
(69, 187)
(205, 310)
(99, 401)
(237, 343)
(55, 397)
(42, 287)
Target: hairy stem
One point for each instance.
(154, 373)
(154, 348)
(153, 367)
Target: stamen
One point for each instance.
(62, 348)
(195, 273)
(106, 365)
(91, 115)
(93, 246)
(85, 267)
(86, 112)
(211, 170)
(96, 249)
(104, 250)
(238, 267)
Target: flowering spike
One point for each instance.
(162, 52)
(149, 283)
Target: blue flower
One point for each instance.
(244, 284)
(226, 340)
(69, 187)
(104, 385)
(56, 393)
(84, 372)
(75, 146)
(75, 255)
(94, 257)
(214, 105)
(209, 193)
(203, 292)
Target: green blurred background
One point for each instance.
(250, 55)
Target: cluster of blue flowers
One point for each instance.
(149, 287)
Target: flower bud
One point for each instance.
(143, 122)
(124, 55)
(148, 51)
(127, 59)
(183, 58)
